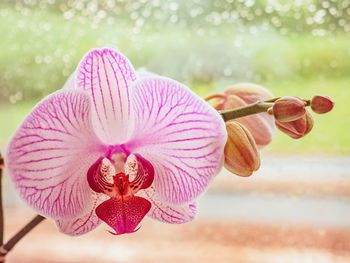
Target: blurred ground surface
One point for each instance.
(295, 209)
(200, 241)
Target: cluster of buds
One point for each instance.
(251, 115)
(292, 117)
(261, 126)
(248, 134)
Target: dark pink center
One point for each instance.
(111, 176)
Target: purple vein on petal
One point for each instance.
(51, 152)
(184, 138)
(108, 83)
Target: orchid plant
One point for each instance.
(114, 145)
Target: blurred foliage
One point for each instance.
(294, 47)
(198, 42)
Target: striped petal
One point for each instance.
(108, 76)
(180, 134)
(83, 223)
(167, 213)
(50, 154)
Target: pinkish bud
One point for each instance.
(288, 109)
(241, 153)
(297, 128)
(260, 125)
(249, 92)
(217, 100)
(321, 104)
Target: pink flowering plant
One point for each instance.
(114, 145)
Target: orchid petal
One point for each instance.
(180, 134)
(51, 152)
(123, 214)
(167, 213)
(108, 76)
(82, 223)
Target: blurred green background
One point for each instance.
(293, 47)
(297, 48)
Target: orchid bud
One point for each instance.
(241, 153)
(321, 104)
(217, 100)
(297, 128)
(249, 92)
(261, 125)
(287, 109)
(234, 102)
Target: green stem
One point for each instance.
(255, 108)
(258, 107)
(8, 246)
(1, 205)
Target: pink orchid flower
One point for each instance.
(115, 147)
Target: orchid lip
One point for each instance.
(123, 211)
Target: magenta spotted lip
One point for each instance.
(123, 211)
(106, 108)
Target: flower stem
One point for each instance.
(258, 107)
(255, 108)
(1, 206)
(8, 246)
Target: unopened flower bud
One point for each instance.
(288, 109)
(321, 104)
(241, 153)
(217, 100)
(261, 125)
(297, 128)
(249, 92)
